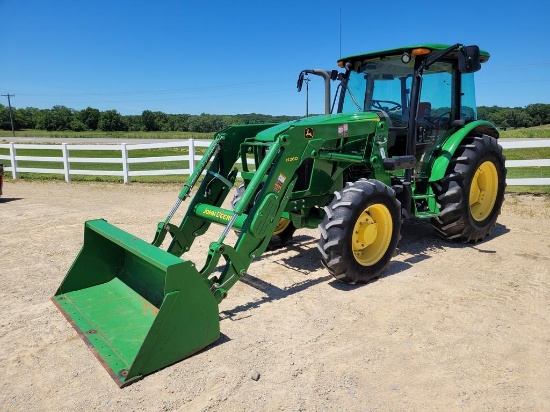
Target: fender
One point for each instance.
(446, 149)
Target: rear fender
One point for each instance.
(442, 155)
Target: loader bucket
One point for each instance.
(136, 306)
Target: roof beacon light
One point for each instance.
(420, 51)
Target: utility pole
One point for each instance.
(11, 116)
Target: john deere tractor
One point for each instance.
(400, 139)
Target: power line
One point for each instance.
(11, 116)
(197, 89)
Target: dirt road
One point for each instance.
(449, 327)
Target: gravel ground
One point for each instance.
(448, 327)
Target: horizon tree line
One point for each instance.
(60, 118)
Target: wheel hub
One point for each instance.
(372, 234)
(365, 233)
(483, 191)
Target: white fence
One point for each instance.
(527, 144)
(126, 161)
(120, 150)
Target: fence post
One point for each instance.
(191, 155)
(66, 166)
(13, 159)
(125, 174)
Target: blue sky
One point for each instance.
(245, 56)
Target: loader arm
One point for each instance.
(257, 212)
(140, 307)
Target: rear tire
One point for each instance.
(360, 231)
(470, 195)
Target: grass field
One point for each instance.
(538, 132)
(98, 134)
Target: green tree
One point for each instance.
(110, 121)
(161, 121)
(5, 123)
(180, 122)
(56, 118)
(133, 123)
(61, 117)
(78, 126)
(24, 118)
(42, 119)
(90, 117)
(539, 112)
(499, 119)
(148, 121)
(517, 117)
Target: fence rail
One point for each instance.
(527, 144)
(122, 158)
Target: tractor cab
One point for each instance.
(421, 98)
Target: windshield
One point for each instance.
(385, 84)
(381, 84)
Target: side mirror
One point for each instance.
(300, 81)
(468, 59)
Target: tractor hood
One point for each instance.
(271, 133)
(337, 118)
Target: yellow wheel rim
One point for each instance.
(483, 191)
(372, 234)
(281, 226)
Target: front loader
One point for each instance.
(403, 141)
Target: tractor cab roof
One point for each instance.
(419, 49)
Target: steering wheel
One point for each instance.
(377, 104)
(436, 120)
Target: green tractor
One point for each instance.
(404, 141)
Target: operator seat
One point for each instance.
(424, 112)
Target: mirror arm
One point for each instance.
(432, 58)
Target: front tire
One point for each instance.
(471, 194)
(284, 232)
(360, 231)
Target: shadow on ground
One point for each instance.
(9, 199)
(418, 242)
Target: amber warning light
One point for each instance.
(420, 51)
